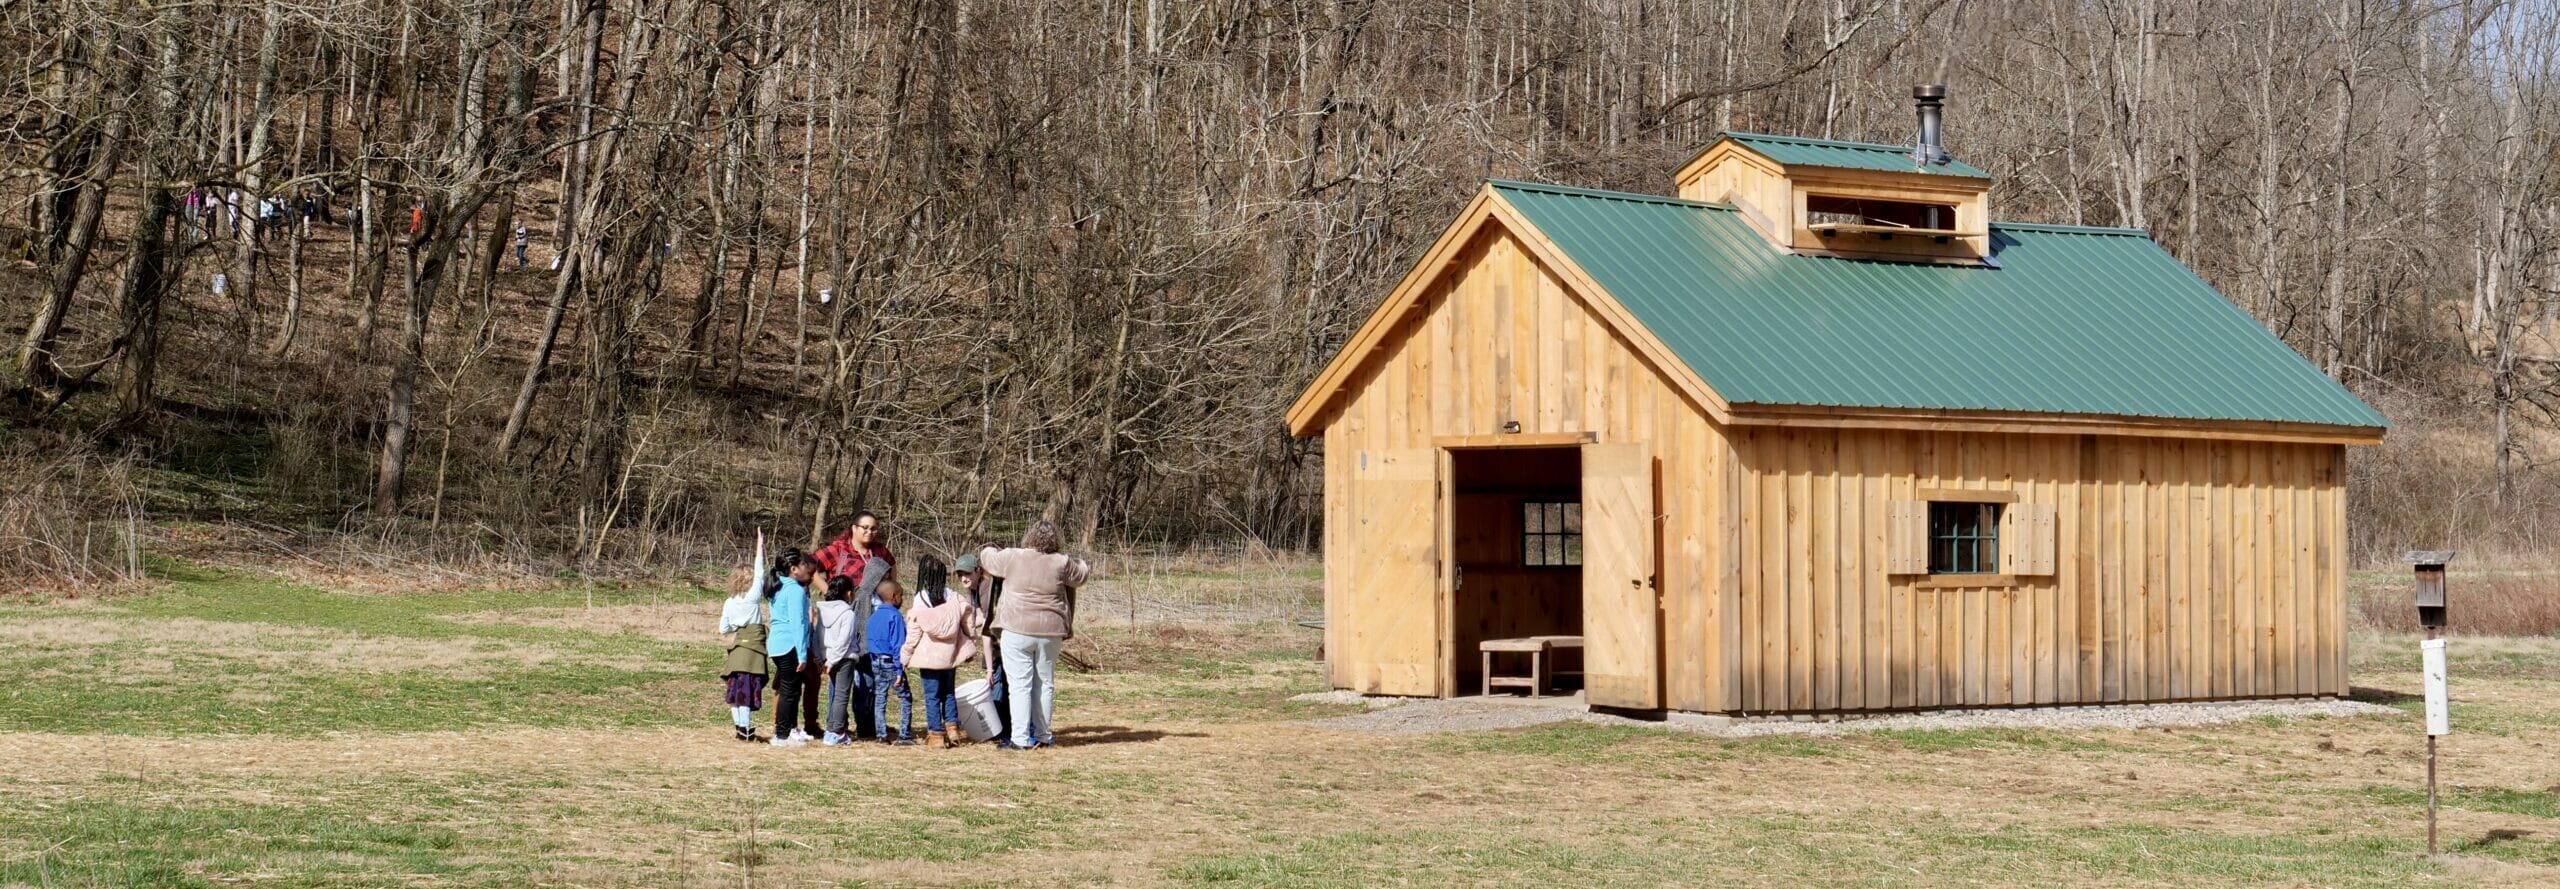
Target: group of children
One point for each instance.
(206, 210)
(861, 638)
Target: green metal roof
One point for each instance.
(2072, 320)
(1797, 151)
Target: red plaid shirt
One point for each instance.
(840, 558)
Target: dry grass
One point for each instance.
(2506, 601)
(260, 647)
(69, 519)
(669, 622)
(1186, 764)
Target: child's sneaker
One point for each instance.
(835, 740)
(746, 734)
(789, 742)
(800, 736)
(903, 742)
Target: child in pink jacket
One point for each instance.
(943, 626)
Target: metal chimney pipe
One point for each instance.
(1931, 99)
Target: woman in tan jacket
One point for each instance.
(1037, 614)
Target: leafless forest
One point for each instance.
(966, 261)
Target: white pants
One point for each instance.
(1031, 687)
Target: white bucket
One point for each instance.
(977, 710)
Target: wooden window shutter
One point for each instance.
(1907, 537)
(2026, 539)
(2048, 530)
(2014, 556)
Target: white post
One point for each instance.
(2439, 723)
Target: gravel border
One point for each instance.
(1425, 716)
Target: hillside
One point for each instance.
(965, 266)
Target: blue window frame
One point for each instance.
(1964, 538)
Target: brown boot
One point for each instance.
(952, 736)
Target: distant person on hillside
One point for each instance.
(942, 633)
(746, 668)
(788, 644)
(886, 636)
(1037, 615)
(522, 236)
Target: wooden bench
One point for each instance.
(1538, 648)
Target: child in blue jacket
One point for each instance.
(787, 641)
(886, 636)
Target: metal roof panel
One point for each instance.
(1798, 151)
(2073, 320)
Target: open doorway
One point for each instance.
(1516, 555)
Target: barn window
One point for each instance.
(1551, 534)
(1827, 213)
(1964, 538)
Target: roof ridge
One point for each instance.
(2072, 229)
(1811, 152)
(1552, 188)
(1810, 140)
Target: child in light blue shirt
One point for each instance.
(787, 641)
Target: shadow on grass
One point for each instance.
(2492, 838)
(1116, 734)
(2386, 697)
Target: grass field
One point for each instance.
(231, 729)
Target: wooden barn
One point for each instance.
(1817, 436)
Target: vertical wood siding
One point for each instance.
(2184, 569)
(1500, 339)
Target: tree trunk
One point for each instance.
(146, 281)
(35, 353)
(292, 323)
(249, 253)
(423, 276)
(574, 203)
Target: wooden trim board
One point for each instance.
(1516, 440)
(1965, 581)
(1965, 495)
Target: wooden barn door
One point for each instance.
(1398, 573)
(1621, 632)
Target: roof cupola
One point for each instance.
(1859, 200)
